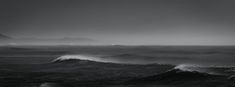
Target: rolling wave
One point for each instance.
(214, 70)
(95, 58)
(79, 57)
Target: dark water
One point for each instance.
(195, 55)
(44, 66)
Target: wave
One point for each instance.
(95, 58)
(186, 67)
(77, 57)
(173, 76)
(214, 70)
(186, 73)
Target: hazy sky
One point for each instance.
(133, 22)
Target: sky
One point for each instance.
(124, 22)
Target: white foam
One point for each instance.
(187, 67)
(79, 57)
(202, 69)
(96, 58)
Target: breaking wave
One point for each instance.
(215, 70)
(187, 72)
(95, 58)
(185, 67)
(80, 57)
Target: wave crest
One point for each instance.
(187, 67)
(78, 57)
(95, 58)
(205, 69)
